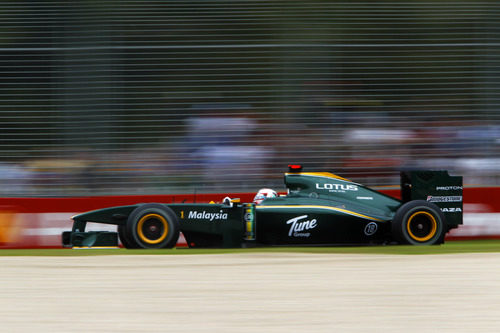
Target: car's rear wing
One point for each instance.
(437, 187)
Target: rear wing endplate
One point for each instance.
(437, 187)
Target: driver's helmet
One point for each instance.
(264, 193)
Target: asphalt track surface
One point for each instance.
(251, 292)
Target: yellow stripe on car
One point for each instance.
(94, 247)
(336, 209)
(319, 174)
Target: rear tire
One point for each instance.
(419, 222)
(151, 226)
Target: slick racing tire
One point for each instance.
(124, 238)
(419, 222)
(151, 226)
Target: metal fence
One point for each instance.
(128, 97)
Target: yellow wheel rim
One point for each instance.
(417, 220)
(148, 226)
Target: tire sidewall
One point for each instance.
(171, 219)
(400, 221)
(125, 238)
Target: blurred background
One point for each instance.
(157, 97)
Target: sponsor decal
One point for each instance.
(299, 226)
(337, 187)
(249, 224)
(195, 215)
(248, 217)
(364, 198)
(456, 198)
(451, 210)
(448, 188)
(371, 228)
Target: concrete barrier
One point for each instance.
(39, 222)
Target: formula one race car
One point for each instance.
(319, 209)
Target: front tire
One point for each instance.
(125, 239)
(151, 226)
(419, 222)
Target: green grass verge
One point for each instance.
(476, 246)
